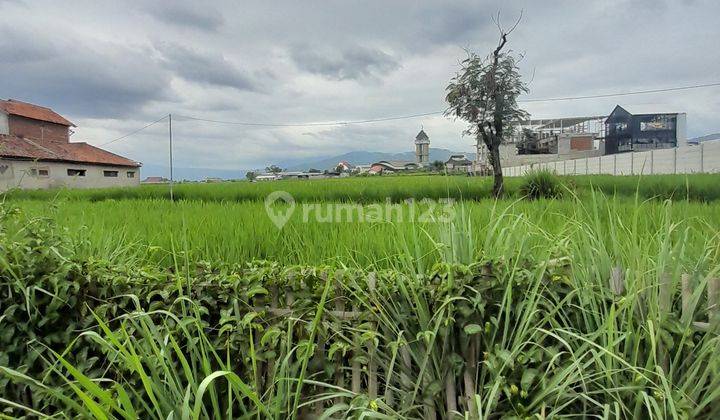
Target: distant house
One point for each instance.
(294, 175)
(267, 177)
(708, 137)
(638, 131)
(155, 180)
(344, 166)
(36, 152)
(391, 166)
(359, 169)
(458, 163)
(213, 180)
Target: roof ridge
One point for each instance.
(100, 148)
(27, 103)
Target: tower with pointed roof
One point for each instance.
(422, 148)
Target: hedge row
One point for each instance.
(513, 332)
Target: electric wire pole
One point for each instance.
(171, 155)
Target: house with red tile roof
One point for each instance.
(36, 152)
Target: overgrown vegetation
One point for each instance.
(149, 230)
(512, 316)
(542, 184)
(696, 187)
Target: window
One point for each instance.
(110, 174)
(620, 126)
(660, 122)
(39, 172)
(131, 174)
(76, 172)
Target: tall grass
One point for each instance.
(151, 229)
(506, 310)
(498, 325)
(696, 187)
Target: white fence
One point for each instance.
(703, 158)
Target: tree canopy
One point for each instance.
(484, 93)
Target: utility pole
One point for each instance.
(171, 155)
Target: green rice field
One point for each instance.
(697, 187)
(242, 231)
(602, 301)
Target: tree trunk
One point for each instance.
(497, 172)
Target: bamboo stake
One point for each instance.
(430, 413)
(289, 301)
(319, 355)
(664, 305)
(273, 304)
(469, 377)
(372, 363)
(686, 293)
(617, 280)
(340, 308)
(356, 368)
(407, 367)
(450, 394)
(257, 336)
(713, 300)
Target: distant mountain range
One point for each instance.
(321, 163)
(714, 136)
(191, 174)
(365, 158)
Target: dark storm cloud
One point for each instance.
(206, 67)
(452, 23)
(351, 63)
(92, 81)
(126, 66)
(197, 14)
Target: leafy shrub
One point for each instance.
(541, 184)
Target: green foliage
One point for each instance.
(542, 184)
(532, 321)
(484, 93)
(437, 165)
(373, 189)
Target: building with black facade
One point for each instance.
(628, 132)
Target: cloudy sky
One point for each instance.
(112, 67)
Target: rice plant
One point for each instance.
(594, 305)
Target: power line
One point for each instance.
(610, 95)
(134, 132)
(404, 117)
(373, 120)
(425, 114)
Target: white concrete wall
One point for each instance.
(703, 158)
(17, 174)
(681, 129)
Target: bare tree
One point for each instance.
(484, 93)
